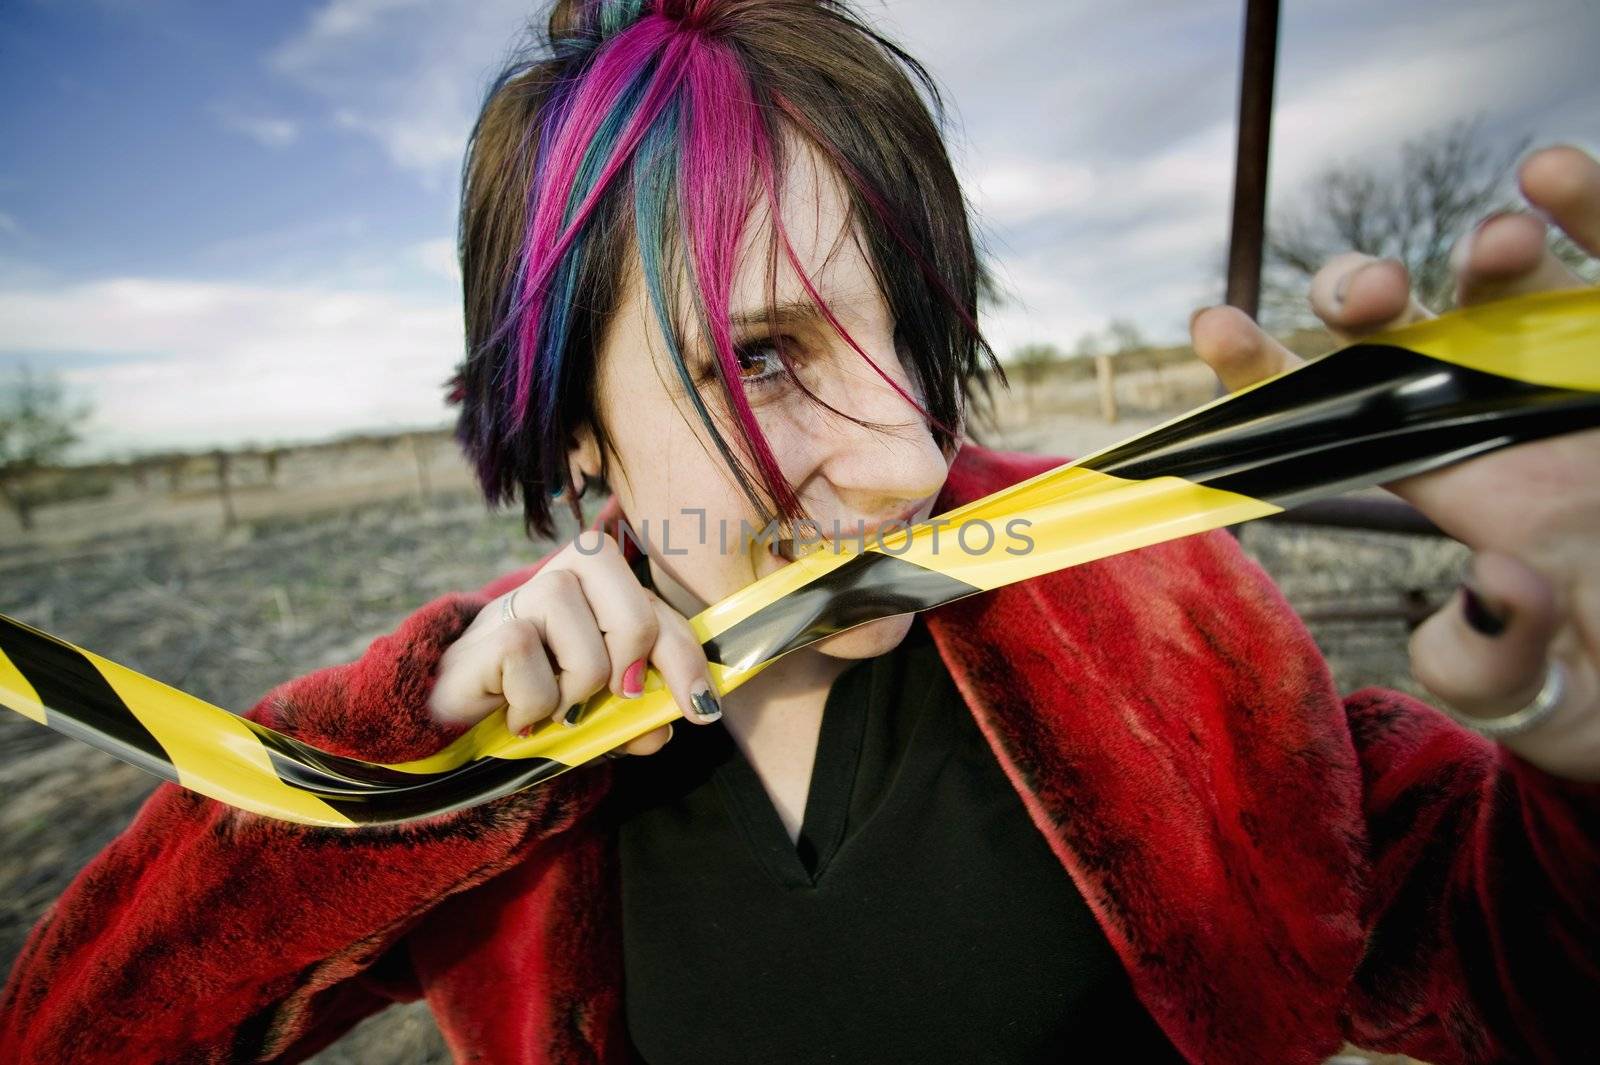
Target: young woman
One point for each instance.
(716, 261)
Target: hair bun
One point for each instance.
(577, 27)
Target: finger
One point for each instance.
(524, 678)
(1356, 295)
(1564, 183)
(1238, 351)
(620, 604)
(1507, 255)
(681, 660)
(650, 742)
(576, 648)
(470, 682)
(1485, 652)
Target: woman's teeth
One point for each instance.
(789, 549)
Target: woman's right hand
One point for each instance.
(583, 622)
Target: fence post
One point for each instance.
(420, 452)
(1108, 388)
(229, 520)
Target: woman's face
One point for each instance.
(665, 468)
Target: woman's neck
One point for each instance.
(799, 675)
(776, 716)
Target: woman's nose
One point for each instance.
(879, 468)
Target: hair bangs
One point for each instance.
(658, 127)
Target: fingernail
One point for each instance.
(633, 681)
(571, 716)
(1491, 219)
(1342, 289)
(1195, 317)
(1462, 251)
(1461, 254)
(525, 731)
(706, 707)
(1483, 617)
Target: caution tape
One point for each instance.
(1400, 403)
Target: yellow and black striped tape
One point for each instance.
(1398, 404)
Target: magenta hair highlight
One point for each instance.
(669, 115)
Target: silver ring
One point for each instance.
(508, 611)
(1519, 721)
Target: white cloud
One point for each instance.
(1043, 306)
(1016, 190)
(342, 19)
(1105, 142)
(405, 73)
(199, 362)
(438, 257)
(266, 130)
(8, 224)
(1099, 151)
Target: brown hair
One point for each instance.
(816, 69)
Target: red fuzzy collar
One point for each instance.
(1177, 738)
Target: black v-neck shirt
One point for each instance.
(920, 917)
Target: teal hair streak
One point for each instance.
(553, 342)
(655, 167)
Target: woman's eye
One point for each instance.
(760, 363)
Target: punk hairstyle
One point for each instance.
(651, 128)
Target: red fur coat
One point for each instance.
(1279, 869)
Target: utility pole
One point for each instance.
(1257, 69)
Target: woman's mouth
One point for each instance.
(859, 536)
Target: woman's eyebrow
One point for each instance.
(791, 313)
(797, 311)
(699, 359)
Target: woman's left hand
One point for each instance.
(1530, 513)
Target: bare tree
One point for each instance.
(36, 427)
(1035, 361)
(1124, 337)
(1097, 348)
(1413, 209)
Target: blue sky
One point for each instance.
(226, 221)
(157, 141)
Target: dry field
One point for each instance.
(343, 545)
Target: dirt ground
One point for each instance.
(330, 557)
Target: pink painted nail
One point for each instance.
(633, 680)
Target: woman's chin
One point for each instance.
(869, 640)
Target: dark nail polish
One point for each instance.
(706, 705)
(571, 716)
(1478, 613)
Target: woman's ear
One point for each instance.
(583, 457)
